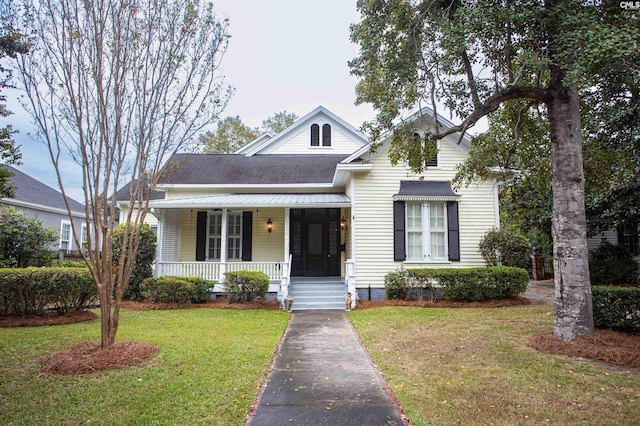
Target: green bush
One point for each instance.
(395, 284)
(23, 240)
(616, 307)
(175, 290)
(144, 259)
(502, 247)
(611, 264)
(470, 284)
(245, 286)
(29, 291)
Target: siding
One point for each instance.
(300, 143)
(374, 215)
(595, 241)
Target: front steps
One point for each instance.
(317, 293)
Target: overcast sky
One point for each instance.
(283, 55)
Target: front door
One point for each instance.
(315, 242)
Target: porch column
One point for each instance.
(159, 242)
(223, 244)
(287, 234)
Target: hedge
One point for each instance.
(176, 290)
(29, 291)
(245, 286)
(471, 284)
(616, 307)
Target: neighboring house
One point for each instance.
(40, 201)
(320, 212)
(627, 236)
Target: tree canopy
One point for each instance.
(473, 57)
(232, 134)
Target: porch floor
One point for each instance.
(317, 293)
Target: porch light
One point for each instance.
(269, 225)
(343, 223)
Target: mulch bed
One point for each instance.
(491, 303)
(611, 347)
(89, 357)
(48, 318)
(220, 303)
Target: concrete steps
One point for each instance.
(317, 293)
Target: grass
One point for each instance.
(473, 367)
(209, 370)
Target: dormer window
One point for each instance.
(315, 135)
(326, 135)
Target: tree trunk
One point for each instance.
(573, 310)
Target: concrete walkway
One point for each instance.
(322, 376)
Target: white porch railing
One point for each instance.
(276, 271)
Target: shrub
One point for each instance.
(29, 291)
(470, 284)
(611, 264)
(502, 247)
(245, 286)
(175, 290)
(23, 239)
(144, 259)
(616, 307)
(395, 284)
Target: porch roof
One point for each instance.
(320, 200)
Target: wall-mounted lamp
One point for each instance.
(269, 225)
(343, 223)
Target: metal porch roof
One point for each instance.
(319, 200)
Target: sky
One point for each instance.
(283, 55)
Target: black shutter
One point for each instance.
(398, 231)
(201, 236)
(453, 231)
(247, 227)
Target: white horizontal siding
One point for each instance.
(301, 144)
(374, 215)
(610, 236)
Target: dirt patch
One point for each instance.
(220, 303)
(48, 318)
(89, 357)
(491, 303)
(611, 347)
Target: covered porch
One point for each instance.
(281, 235)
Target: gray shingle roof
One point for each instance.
(33, 191)
(234, 169)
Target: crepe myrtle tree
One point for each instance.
(120, 86)
(472, 56)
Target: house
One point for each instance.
(319, 211)
(40, 201)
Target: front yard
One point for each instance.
(473, 367)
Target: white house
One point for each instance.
(320, 212)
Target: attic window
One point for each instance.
(315, 135)
(326, 135)
(433, 162)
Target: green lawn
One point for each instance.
(473, 367)
(208, 371)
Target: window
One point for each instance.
(629, 237)
(65, 235)
(234, 236)
(326, 135)
(426, 231)
(315, 135)
(418, 140)
(84, 237)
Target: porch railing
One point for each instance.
(214, 270)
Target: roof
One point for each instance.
(320, 200)
(36, 193)
(123, 193)
(425, 190)
(237, 169)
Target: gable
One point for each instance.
(319, 132)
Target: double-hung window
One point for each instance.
(65, 235)
(234, 236)
(426, 231)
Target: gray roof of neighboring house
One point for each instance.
(123, 193)
(235, 169)
(33, 191)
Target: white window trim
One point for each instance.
(426, 234)
(223, 235)
(64, 222)
(84, 236)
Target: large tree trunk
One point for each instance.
(573, 310)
